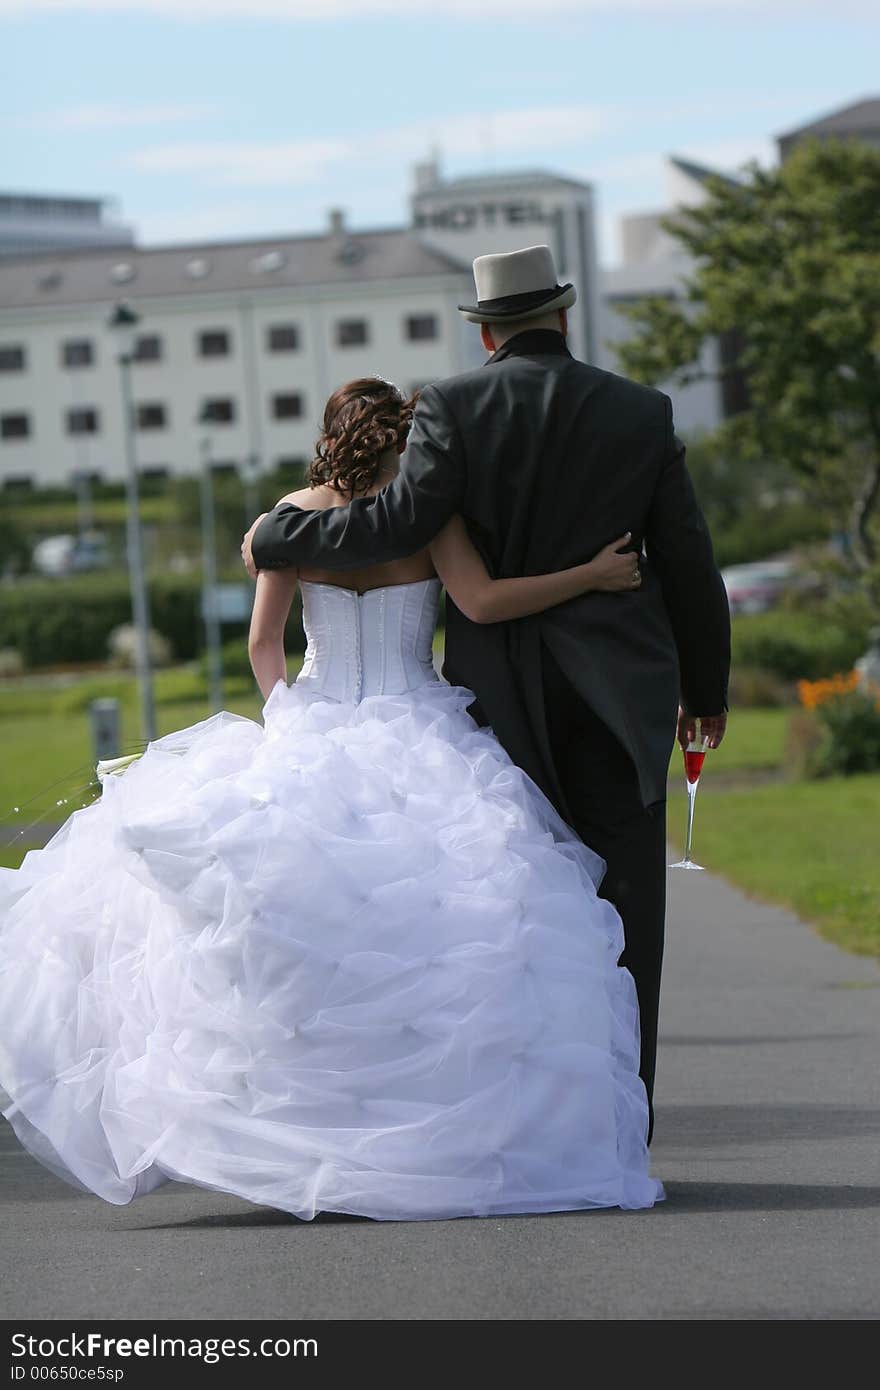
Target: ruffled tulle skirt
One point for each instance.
(350, 960)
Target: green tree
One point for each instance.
(789, 260)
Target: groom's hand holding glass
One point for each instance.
(712, 728)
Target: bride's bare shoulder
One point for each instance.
(311, 499)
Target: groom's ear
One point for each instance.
(486, 335)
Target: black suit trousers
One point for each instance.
(599, 781)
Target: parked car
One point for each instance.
(755, 588)
(66, 554)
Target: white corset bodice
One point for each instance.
(376, 643)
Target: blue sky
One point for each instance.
(225, 118)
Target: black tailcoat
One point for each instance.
(549, 459)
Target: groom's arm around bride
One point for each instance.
(432, 485)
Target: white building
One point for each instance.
(261, 331)
(653, 263)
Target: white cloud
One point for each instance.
(208, 222)
(298, 10)
(278, 163)
(492, 131)
(244, 163)
(282, 163)
(103, 116)
(625, 168)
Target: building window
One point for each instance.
(352, 333)
(283, 337)
(218, 411)
(151, 415)
(288, 406)
(148, 348)
(214, 343)
(422, 328)
(15, 426)
(82, 420)
(78, 352)
(12, 358)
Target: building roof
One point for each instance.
(133, 272)
(701, 172)
(534, 178)
(9, 196)
(848, 120)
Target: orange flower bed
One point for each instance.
(815, 693)
(812, 694)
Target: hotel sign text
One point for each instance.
(461, 217)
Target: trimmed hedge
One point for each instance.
(796, 646)
(236, 661)
(54, 621)
(758, 534)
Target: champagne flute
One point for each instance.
(694, 757)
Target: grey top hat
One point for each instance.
(517, 285)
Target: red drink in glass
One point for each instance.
(694, 757)
(693, 763)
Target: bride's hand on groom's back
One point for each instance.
(615, 569)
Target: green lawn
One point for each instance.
(755, 739)
(47, 748)
(810, 846)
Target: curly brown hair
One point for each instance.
(362, 420)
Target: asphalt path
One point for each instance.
(767, 1139)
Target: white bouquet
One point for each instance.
(109, 767)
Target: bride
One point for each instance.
(347, 960)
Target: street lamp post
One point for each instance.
(209, 567)
(251, 471)
(122, 323)
(85, 516)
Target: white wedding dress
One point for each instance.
(347, 960)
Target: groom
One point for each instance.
(548, 460)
